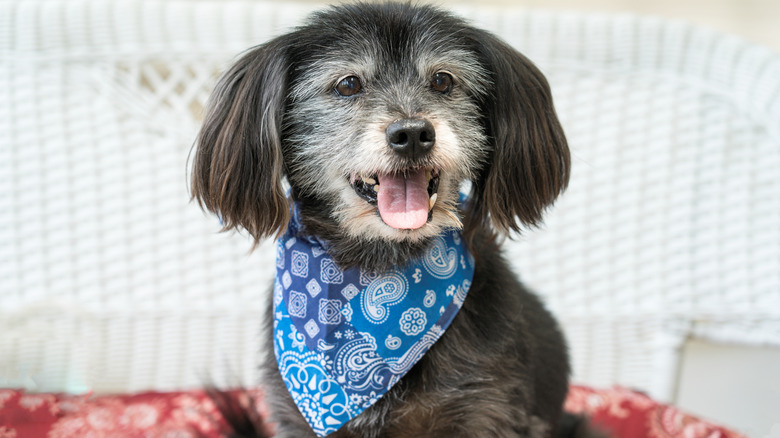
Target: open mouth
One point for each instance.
(405, 199)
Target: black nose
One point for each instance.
(411, 138)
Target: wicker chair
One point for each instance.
(110, 280)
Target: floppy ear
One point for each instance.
(238, 168)
(529, 163)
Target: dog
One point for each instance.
(378, 115)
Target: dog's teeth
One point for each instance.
(432, 201)
(368, 180)
(428, 175)
(376, 188)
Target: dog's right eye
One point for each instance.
(349, 86)
(442, 82)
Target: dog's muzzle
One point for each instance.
(405, 197)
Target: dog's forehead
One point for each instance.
(390, 28)
(383, 41)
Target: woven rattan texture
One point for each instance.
(111, 280)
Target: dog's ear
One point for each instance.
(529, 163)
(237, 166)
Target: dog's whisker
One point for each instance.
(450, 210)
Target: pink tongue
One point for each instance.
(403, 202)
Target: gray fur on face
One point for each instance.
(345, 136)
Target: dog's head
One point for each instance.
(376, 114)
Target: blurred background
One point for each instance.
(662, 260)
(754, 20)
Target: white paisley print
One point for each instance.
(382, 293)
(343, 338)
(307, 382)
(441, 261)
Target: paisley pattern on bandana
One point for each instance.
(343, 338)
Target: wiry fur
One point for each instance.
(501, 369)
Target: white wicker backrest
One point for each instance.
(110, 280)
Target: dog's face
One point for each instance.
(383, 122)
(376, 114)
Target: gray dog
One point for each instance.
(376, 114)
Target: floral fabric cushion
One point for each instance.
(621, 412)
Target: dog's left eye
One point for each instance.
(442, 82)
(349, 86)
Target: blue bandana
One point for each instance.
(343, 338)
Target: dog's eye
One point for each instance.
(349, 86)
(442, 82)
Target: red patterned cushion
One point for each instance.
(622, 412)
(626, 413)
